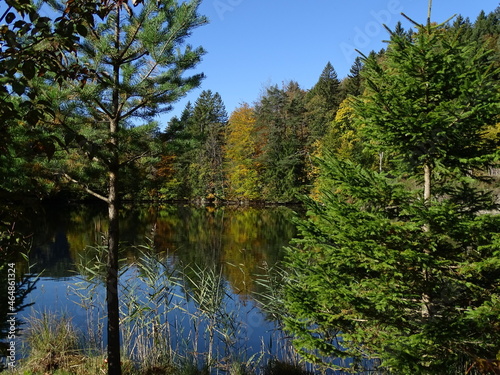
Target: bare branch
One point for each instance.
(86, 188)
(137, 157)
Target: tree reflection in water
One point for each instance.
(189, 279)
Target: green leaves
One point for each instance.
(18, 87)
(29, 69)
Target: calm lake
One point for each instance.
(194, 276)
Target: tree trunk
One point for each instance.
(429, 10)
(114, 367)
(426, 299)
(427, 183)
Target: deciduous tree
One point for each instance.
(241, 155)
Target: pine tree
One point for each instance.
(322, 102)
(177, 154)
(208, 126)
(194, 146)
(432, 76)
(138, 57)
(177, 127)
(328, 87)
(400, 32)
(354, 84)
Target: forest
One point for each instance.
(397, 257)
(265, 151)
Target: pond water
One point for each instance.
(193, 276)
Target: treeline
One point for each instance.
(260, 152)
(267, 151)
(264, 151)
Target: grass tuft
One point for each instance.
(54, 343)
(277, 367)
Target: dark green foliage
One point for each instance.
(31, 46)
(209, 121)
(178, 147)
(322, 102)
(280, 116)
(327, 87)
(430, 99)
(36, 154)
(354, 83)
(139, 59)
(381, 270)
(362, 265)
(195, 142)
(399, 32)
(486, 25)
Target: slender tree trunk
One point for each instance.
(429, 10)
(114, 366)
(427, 183)
(426, 299)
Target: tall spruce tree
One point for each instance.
(405, 275)
(354, 83)
(208, 126)
(283, 133)
(322, 102)
(178, 144)
(328, 87)
(429, 101)
(139, 58)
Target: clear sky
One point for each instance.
(252, 44)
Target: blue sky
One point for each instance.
(252, 44)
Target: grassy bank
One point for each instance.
(55, 346)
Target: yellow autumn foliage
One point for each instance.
(240, 151)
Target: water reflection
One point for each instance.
(204, 250)
(240, 239)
